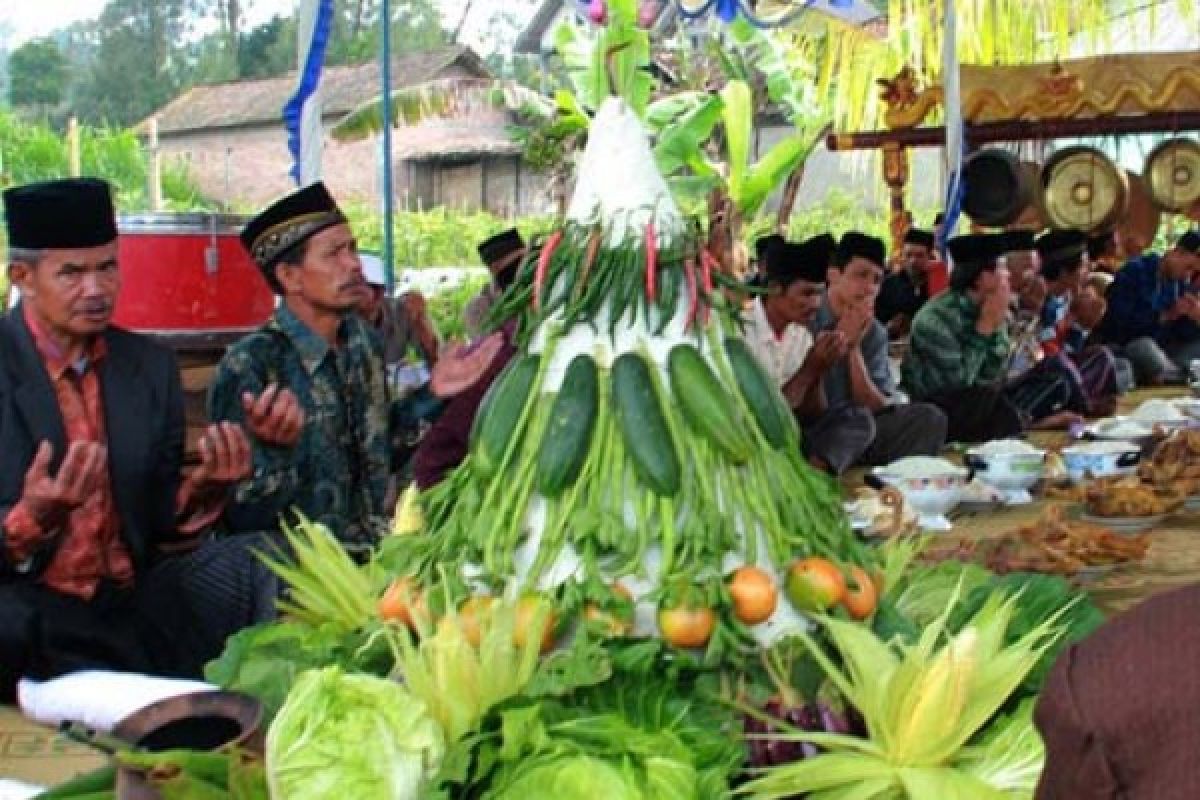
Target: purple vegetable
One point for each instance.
(832, 721)
(769, 751)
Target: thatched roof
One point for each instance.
(456, 145)
(247, 103)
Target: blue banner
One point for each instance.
(312, 60)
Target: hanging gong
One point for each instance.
(1136, 230)
(1083, 189)
(997, 190)
(1173, 174)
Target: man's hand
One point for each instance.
(854, 324)
(828, 348)
(1191, 307)
(224, 457)
(1088, 309)
(899, 326)
(49, 499)
(994, 308)
(414, 304)
(274, 417)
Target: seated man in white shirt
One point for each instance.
(777, 333)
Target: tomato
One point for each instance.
(686, 627)
(815, 584)
(403, 602)
(754, 594)
(861, 594)
(615, 622)
(528, 609)
(471, 615)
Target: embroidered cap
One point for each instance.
(287, 222)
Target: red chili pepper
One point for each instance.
(651, 262)
(589, 259)
(689, 274)
(707, 263)
(539, 275)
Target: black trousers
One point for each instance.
(171, 623)
(978, 414)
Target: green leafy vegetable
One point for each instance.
(264, 661)
(341, 735)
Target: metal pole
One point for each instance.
(386, 75)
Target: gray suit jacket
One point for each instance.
(144, 420)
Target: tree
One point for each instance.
(138, 63)
(269, 49)
(37, 74)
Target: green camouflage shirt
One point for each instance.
(945, 352)
(337, 473)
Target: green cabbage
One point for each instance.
(341, 736)
(569, 777)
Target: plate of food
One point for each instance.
(1061, 546)
(1128, 504)
(1125, 524)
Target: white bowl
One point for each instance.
(1012, 473)
(1101, 459)
(932, 493)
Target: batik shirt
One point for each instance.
(337, 473)
(946, 353)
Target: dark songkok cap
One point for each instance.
(1061, 251)
(289, 221)
(763, 244)
(61, 214)
(502, 244)
(1066, 245)
(919, 237)
(1018, 241)
(807, 261)
(977, 248)
(859, 245)
(1190, 241)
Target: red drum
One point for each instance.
(188, 273)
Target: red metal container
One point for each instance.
(185, 274)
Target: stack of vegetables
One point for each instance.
(634, 438)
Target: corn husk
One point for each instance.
(324, 585)
(922, 704)
(409, 518)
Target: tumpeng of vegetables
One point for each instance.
(634, 437)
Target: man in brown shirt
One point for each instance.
(1120, 712)
(92, 496)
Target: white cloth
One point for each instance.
(97, 698)
(16, 790)
(782, 355)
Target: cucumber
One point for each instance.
(569, 432)
(643, 426)
(496, 421)
(705, 402)
(766, 402)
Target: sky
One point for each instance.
(29, 20)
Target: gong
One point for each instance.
(1173, 174)
(1082, 188)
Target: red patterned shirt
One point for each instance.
(91, 548)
